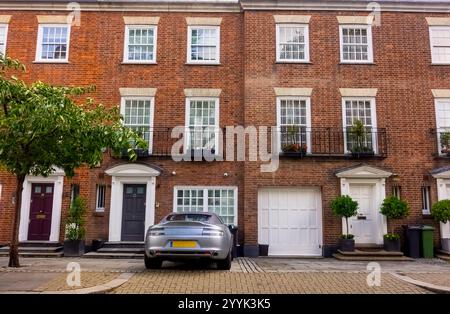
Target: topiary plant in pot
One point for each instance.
(441, 213)
(344, 206)
(393, 208)
(75, 231)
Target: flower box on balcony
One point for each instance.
(294, 150)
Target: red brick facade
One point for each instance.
(247, 75)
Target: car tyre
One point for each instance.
(225, 264)
(152, 263)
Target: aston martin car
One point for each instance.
(188, 235)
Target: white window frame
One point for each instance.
(152, 106)
(189, 40)
(38, 57)
(439, 128)
(308, 119)
(205, 196)
(373, 116)
(431, 28)
(5, 25)
(306, 35)
(100, 209)
(187, 125)
(425, 190)
(126, 44)
(369, 43)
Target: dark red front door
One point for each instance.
(40, 211)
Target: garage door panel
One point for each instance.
(293, 225)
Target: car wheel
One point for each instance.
(152, 263)
(225, 264)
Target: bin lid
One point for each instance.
(424, 227)
(415, 227)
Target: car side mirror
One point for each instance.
(232, 227)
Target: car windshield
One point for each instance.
(189, 217)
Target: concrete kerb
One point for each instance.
(422, 284)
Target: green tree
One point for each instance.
(42, 127)
(75, 220)
(394, 208)
(345, 206)
(441, 211)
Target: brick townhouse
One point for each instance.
(308, 69)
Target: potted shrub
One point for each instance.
(360, 146)
(293, 147)
(393, 208)
(441, 213)
(75, 231)
(345, 206)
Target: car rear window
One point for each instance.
(189, 217)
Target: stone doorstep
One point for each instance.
(357, 252)
(111, 255)
(342, 257)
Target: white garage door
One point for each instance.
(290, 221)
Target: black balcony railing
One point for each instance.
(290, 142)
(301, 141)
(441, 142)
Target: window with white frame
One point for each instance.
(292, 42)
(440, 44)
(53, 43)
(396, 191)
(3, 37)
(101, 197)
(137, 113)
(426, 200)
(219, 200)
(356, 43)
(202, 123)
(443, 124)
(294, 120)
(140, 44)
(203, 44)
(359, 116)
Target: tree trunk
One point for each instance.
(346, 222)
(14, 245)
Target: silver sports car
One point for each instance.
(189, 235)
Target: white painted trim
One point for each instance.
(115, 214)
(6, 26)
(39, 44)
(380, 194)
(5, 19)
(126, 43)
(295, 19)
(373, 117)
(141, 20)
(152, 114)
(438, 21)
(57, 178)
(430, 31)
(442, 180)
(364, 172)
(286, 91)
(369, 43)
(189, 39)
(439, 128)
(356, 19)
(277, 43)
(308, 120)
(216, 127)
(204, 21)
(205, 189)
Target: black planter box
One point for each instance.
(363, 154)
(347, 245)
(293, 154)
(263, 250)
(74, 248)
(391, 245)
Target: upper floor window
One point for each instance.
(3, 36)
(294, 122)
(202, 123)
(356, 43)
(440, 44)
(292, 42)
(203, 44)
(137, 113)
(443, 124)
(53, 43)
(140, 44)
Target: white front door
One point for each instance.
(364, 225)
(290, 221)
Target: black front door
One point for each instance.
(133, 212)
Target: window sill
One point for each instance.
(98, 214)
(50, 62)
(292, 62)
(138, 63)
(440, 64)
(427, 216)
(209, 64)
(357, 63)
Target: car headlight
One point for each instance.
(156, 232)
(212, 233)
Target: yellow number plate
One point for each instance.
(185, 244)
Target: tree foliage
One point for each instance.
(441, 211)
(394, 208)
(75, 221)
(345, 206)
